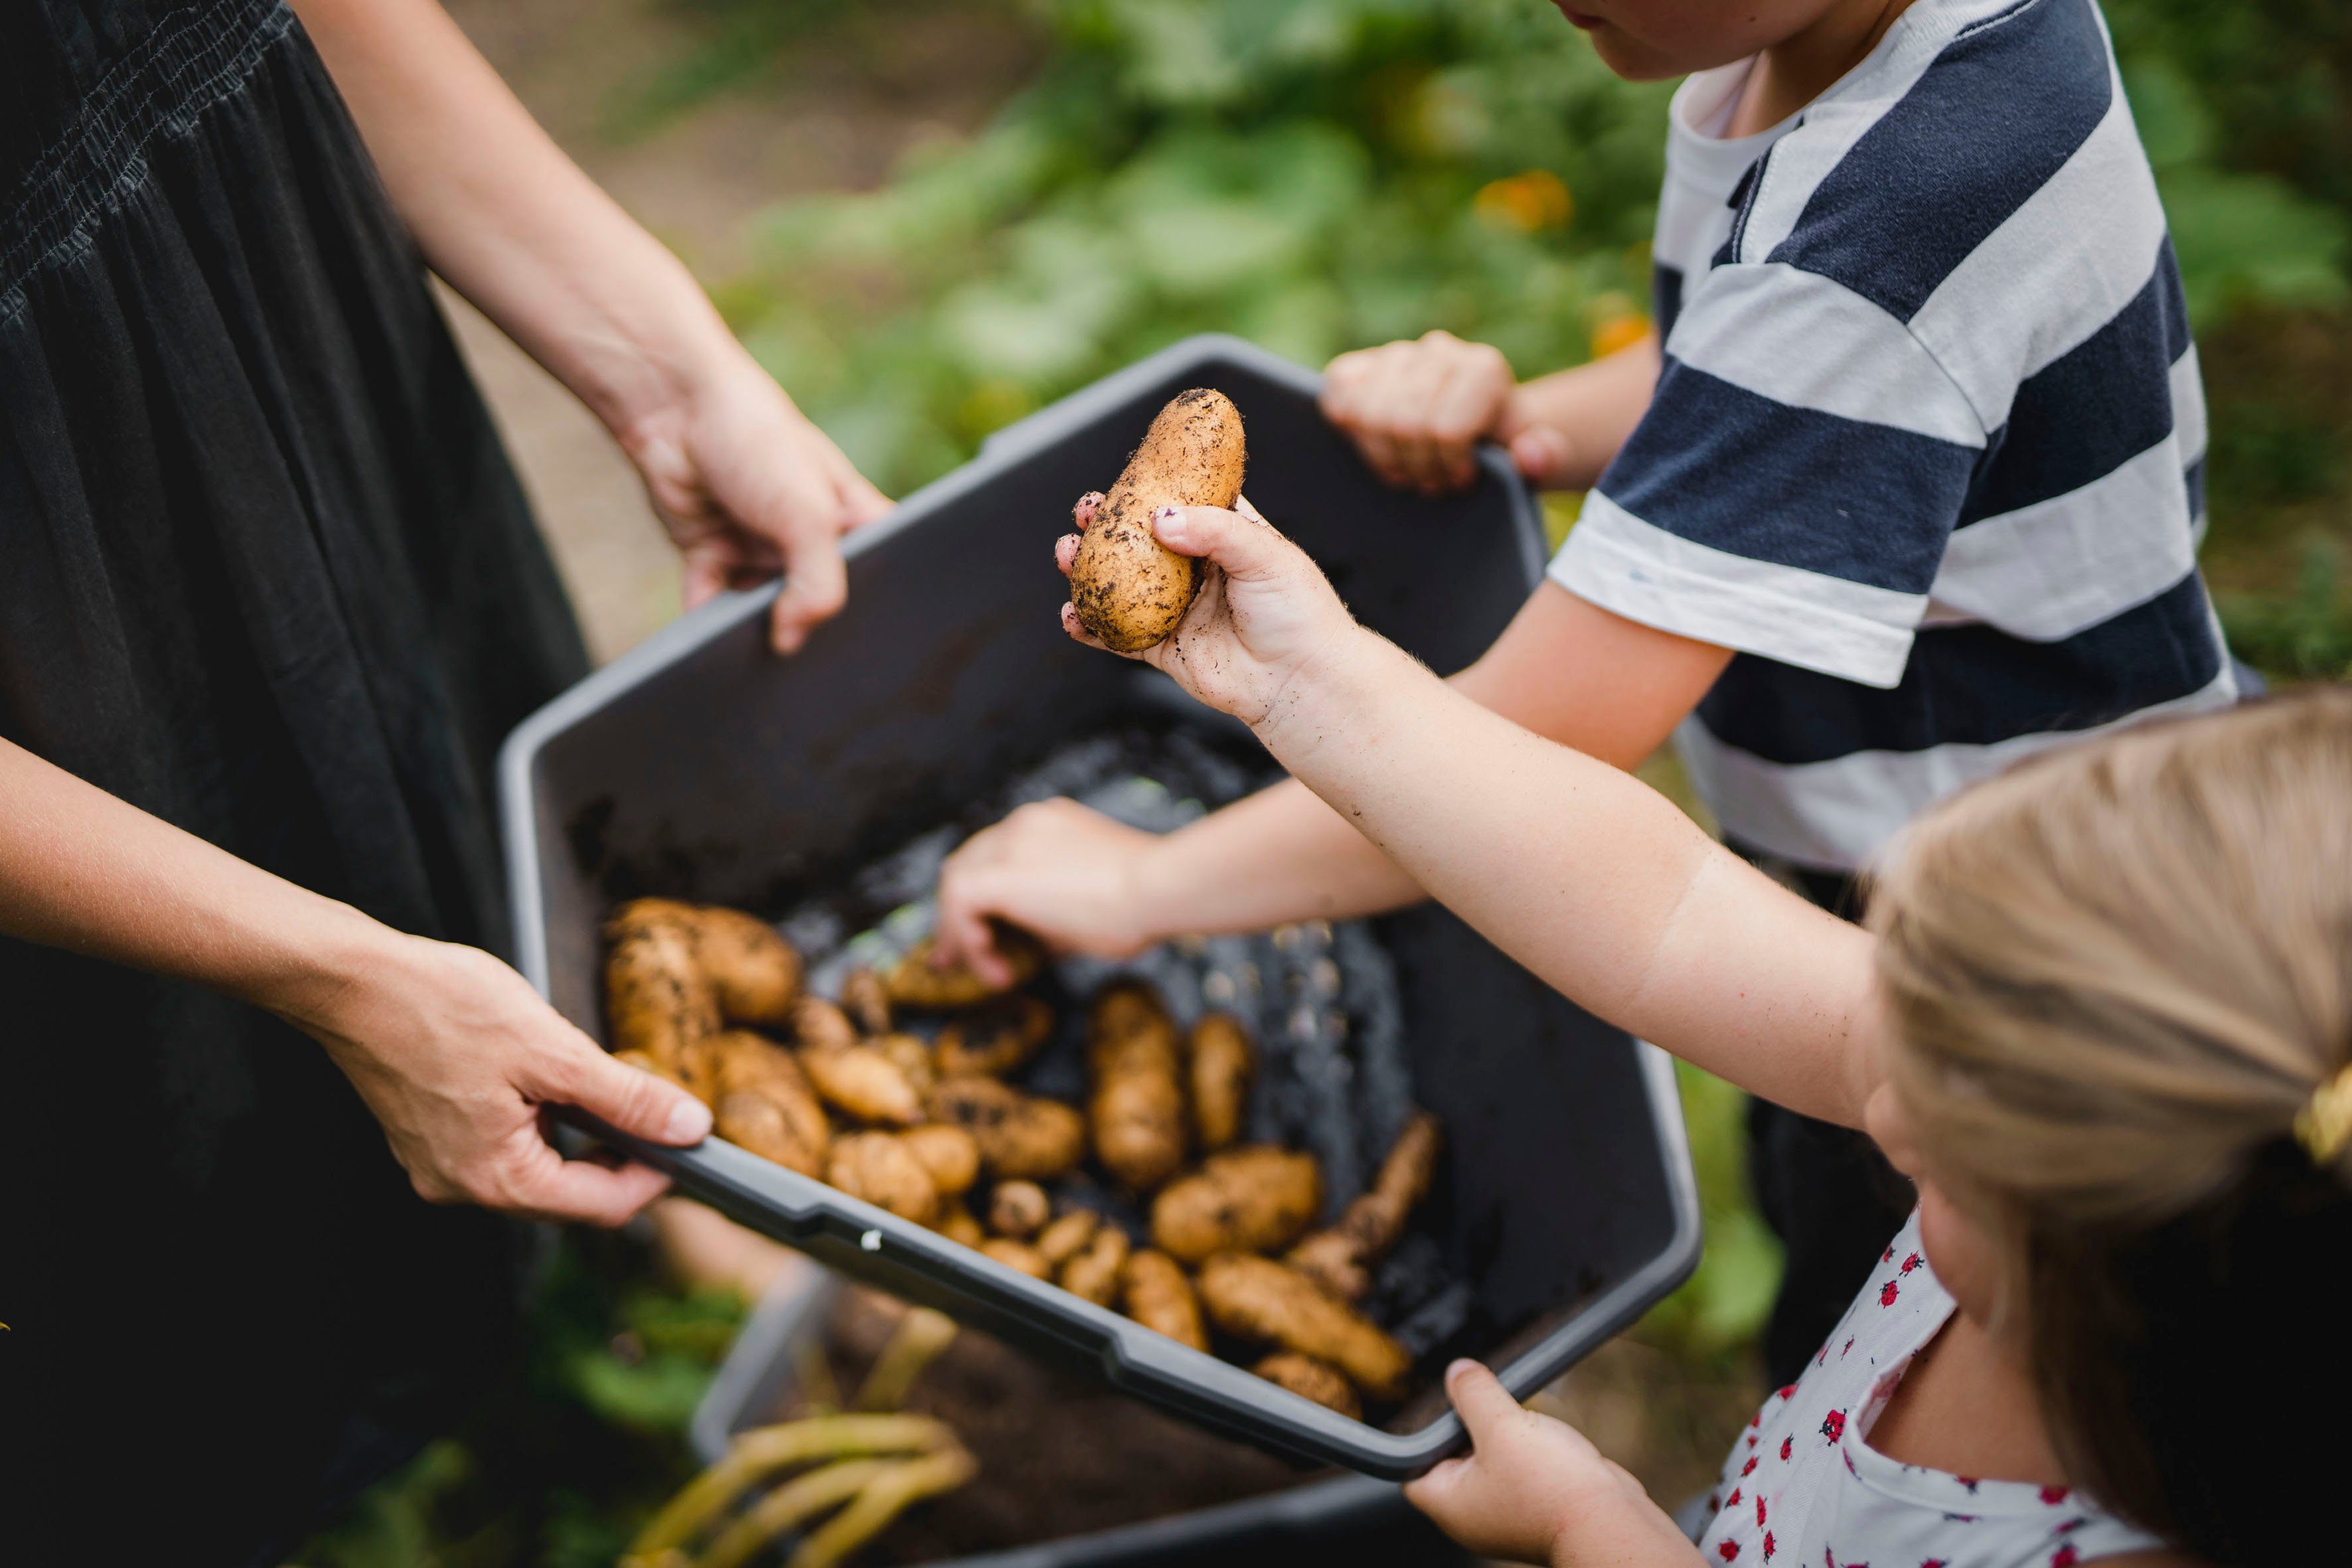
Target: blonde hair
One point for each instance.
(2117, 973)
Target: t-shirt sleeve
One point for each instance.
(1792, 487)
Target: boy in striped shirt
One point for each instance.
(1907, 485)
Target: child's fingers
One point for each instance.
(1433, 1493)
(1247, 548)
(1066, 553)
(1242, 505)
(1480, 1399)
(1088, 506)
(1079, 634)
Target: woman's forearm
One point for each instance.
(1590, 878)
(84, 870)
(1593, 406)
(510, 222)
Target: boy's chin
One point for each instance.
(1628, 57)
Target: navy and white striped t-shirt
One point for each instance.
(1927, 449)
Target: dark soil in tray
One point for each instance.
(1057, 1457)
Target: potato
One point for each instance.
(762, 1101)
(1068, 1237)
(1339, 1258)
(1252, 1199)
(819, 1025)
(915, 982)
(756, 973)
(1093, 1274)
(863, 1082)
(1018, 1209)
(1311, 1379)
(1020, 1136)
(1128, 589)
(1136, 1109)
(959, 1225)
(862, 998)
(879, 1169)
(1258, 1299)
(1017, 1254)
(1157, 1295)
(949, 1153)
(994, 1040)
(1219, 1062)
(656, 998)
(911, 1056)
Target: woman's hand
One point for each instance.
(748, 488)
(1263, 613)
(1533, 1489)
(1417, 411)
(456, 1056)
(1060, 869)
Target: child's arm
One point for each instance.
(1418, 409)
(1612, 688)
(1588, 877)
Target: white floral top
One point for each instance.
(1803, 1489)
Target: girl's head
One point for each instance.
(2118, 975)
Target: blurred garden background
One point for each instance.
(928, 217)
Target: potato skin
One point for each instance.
(914, 982)
(1252, 1199)
(1017, 1254)
(1136, 1108)
(1022, 1137)
(1340, 1257)
(950, 1154)
(1018, 1209)
(762, 1101)
(1258, 1299)
(863, 1082)
(994, 1040)
(756, 973)
(1128, 589)
(879, 1169)
(656, 998)
(1219, 1061)
(1311, 1379)
(1093, 1274)
(862, 998)
(1068, 1237)
(1157, 1294)
(959, 1225)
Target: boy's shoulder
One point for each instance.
(1992, 126)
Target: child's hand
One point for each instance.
(1418, 410)
(1534, 1491)
(1263, 614)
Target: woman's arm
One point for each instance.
(1611, 688)
(452, 1050)
(1587, 876)
(746, 485)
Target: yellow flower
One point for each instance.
(1618, 332)
(1526, 203)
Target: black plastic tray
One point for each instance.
(700, 766)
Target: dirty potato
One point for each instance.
(994, 1040)
(1311, 1379)
(863, 1083)
(1022, 1137)
(911, 1056)
(1067, 1236)
(866, 1002)
(1093, 1274)
(1018, 1209)
(1339, 1258)
(1252, 1199)
(1128, 589)
(1219, 1062)
(917, 983)
(949, 1153)
(1258, 1299)
(755, 972)
(959, 1225)
(879, 1169)
(762, 1101)
(1135, 1108)
(1017, 1254)
(655, 997)
(1157, 1293)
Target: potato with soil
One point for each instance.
(1068, 1237)
(1254, 1199)
(865, 1000)
(1093, 1274)
(949, 1153)
(991, 1041)
(915, 982)
(1136, 1106)
(1258, 1299)
(1130, 590)
(755, 972)
(656, 998)
(1340, 1258)
(1219, 1061)
(763, 1102)
(1018, 1209)
(1022, 1137)
(859, 1079)
(1311, 1379)
(1157, 1293)
(878, 1168)
(1017, 1254)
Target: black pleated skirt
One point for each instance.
(265, 572)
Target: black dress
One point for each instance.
(265, 574)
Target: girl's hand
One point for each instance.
(1263, 613)
(1532, 1489)
(1060, 869)
(1417, 411)
(456, 1054)
(749, 488)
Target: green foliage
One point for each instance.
(2307, 636)
(1720, 1308)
